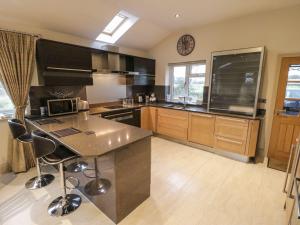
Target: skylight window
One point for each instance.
(114, 24)
(118, 26)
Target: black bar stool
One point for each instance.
(97, 186)
(78, 166)
(52, 154)
(20, 133)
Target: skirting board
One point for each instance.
(230, 155)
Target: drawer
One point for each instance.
(172, 117)
(171, 131)
(231, 128)
(172, 123)
(173, 113)
(236, 146)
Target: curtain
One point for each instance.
(17, 60)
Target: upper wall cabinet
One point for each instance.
(63, 64)
(141, 66)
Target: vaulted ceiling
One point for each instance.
(88, 18)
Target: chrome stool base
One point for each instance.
(63, 206)
(39, 182)
(97, 187)
(77, 167)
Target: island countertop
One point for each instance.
(97, 135)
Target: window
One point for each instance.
(118, 26)
(292, 93)
(187, 80)
(6, 106)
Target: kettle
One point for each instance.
(83, 105)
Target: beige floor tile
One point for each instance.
(188, 187)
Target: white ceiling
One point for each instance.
(88, 18)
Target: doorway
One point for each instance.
(286, 117)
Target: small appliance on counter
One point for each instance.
(152, 98)
(83, 105)
(62, 106)
(140, 97)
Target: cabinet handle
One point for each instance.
(232, 119)
(68, 69)
(203, 115)
(229, 140)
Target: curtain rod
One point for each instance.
(20, 32)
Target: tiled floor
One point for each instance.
(189, 187)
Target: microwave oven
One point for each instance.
(62, 106)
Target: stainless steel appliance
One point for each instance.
(235, 81)
(62, 106)
(130, 116)
(83, 105)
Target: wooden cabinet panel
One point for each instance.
(172, 123)
(231, 127)
(252, 137)
(145, 118)
(148, 118)
(201, 129)
(236, 146)
(152, 118)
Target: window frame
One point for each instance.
(188, 75)
(289, 81)
(6, 113)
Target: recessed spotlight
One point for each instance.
(177, 15)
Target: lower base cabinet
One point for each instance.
(220, 132)
(148, 118)
(201, 128)
(173, 123)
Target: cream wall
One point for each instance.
(278, 31)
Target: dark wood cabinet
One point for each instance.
(63, 64)
(143, 66)
(61, 55)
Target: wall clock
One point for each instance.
(185, 44)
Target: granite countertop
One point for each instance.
(199, 109)
(97, 137)
(175, 106)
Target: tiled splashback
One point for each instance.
(39, 94)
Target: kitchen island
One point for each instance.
(123, 155)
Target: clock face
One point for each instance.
(185, 44)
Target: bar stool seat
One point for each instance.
(61, 154)
(19, 132)
(52, 154)
(25, 138)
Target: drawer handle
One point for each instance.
(203, 115)
(232, 119)
(229, 140)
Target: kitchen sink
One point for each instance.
(174, 106)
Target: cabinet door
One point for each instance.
(152, 118)
(172, 123)
(201, 129)
(145, 118)
(144, 66)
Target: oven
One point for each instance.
(127, 116)
(62, 106)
